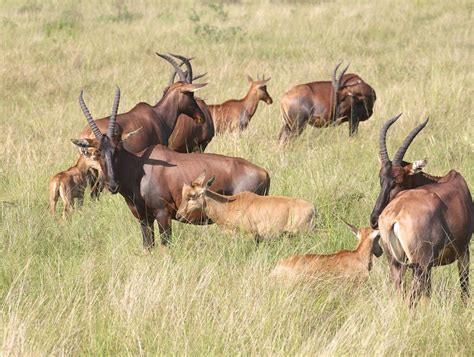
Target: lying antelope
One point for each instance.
(234, 115)
(262, 216)
(424, 220)
(151, 181)
(345, 263)
(71, 183)
(324, 103)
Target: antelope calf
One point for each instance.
(234, 115)
(262, 216)
(71, 183)
(345, 263)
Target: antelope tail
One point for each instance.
(394, 244)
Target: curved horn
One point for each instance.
(113, 116)
(182, 76)
(199, 76)
(343, 72)
(334, 80)
(89, 118)
(187, 62)
(383, 138)
(397, 159)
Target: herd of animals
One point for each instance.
(154, 157)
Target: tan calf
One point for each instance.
(262, 216)
(345, 263)
(71, 183)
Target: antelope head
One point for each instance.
(260, 88)
(105, 145)
(394, 174)
(364, 234)
(193, 196)
(182, 91)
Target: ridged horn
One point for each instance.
(189, 68)
(90, 120)
(383, 138)
(182, 76)
(397, 159)
(113, 116)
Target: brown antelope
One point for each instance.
(262, 216)
(424, 220)
(187, 135)
(345, 263)
(156, 122)
(234, 115)
(321, 104)
(151, 181)
(71, 183)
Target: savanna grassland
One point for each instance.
(83, 285)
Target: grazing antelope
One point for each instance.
(234, 115)
(424, 220)
(156, 122)
(262, 216)
(151, 181)
(71, 183)
(321, 104)
(345, 263)
(187, 135)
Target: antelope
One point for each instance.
(234, 115)
(156, 122)
(345, 263)
(151, 181)
(71, 183)
(321, 104)
(187, 135)
(424, 220)
(262, 216)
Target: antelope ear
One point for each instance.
(199, 181)
(249, 79)
(417, 166)
(353, 228)
(131, 133)
(210, 182)
(83, 143)
(192, 87)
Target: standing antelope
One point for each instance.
(71, 183)
(151, 181)
(187, 135)
(262, 216)
(345, 263)
(156, 122)
(234, 115)
(325, 103)
(424, 220)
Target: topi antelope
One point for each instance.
(345, 263)
(262, 216)
(71, 183)
(234, 115)
(346, 99)
(187, 135)
(424, 220)
(156, 122)
(151, 181)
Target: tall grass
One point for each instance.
(83, 286)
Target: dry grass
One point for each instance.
(82, 286)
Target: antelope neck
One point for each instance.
(250, 101)
(167, 110)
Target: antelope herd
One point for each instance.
(154, 157)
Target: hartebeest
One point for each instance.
(234, 115)
(424, 220)
(187, 135)
(151, 181)
(345, 263)
(158, 121)
(262, 216)
(71, 183)
(321, 104)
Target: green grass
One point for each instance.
(83, 286)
